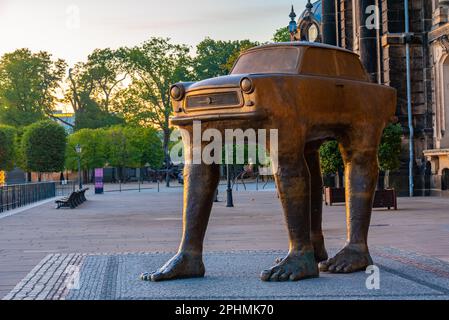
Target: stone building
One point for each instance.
(377, 31)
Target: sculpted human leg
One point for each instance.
(361, 171)
(293, 182)
(316, 209)
(200, 183)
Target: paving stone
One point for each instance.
(235, 275)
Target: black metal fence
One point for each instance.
(19, 195)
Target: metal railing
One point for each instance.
(19, 195)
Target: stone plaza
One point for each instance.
(98, 250)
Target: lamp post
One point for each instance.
(78, 151)
(292, 26)
(230, 201)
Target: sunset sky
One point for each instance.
(71, 29)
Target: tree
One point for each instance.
(28, 85)
(93, 149)
(281, 35)
(133, 147)
(389, 153)
(152, 149)
(134, 105)
(154, 66)
(216, 58)
(44, 144)
(390, 150)
(7, 147)
(106, 69)
(92, 87)
(331, 160)
(91, 117)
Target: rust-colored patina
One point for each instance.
(310, 93)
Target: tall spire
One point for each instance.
(309, 6)
(292, 14)
(292, 26)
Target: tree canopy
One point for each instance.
(7, 147)
(216, 58)
(281, 35)
(93, 149)
(389, 152)
(133, 147)
(330, 157)
(44, 146)
(28, 85)
(390, 148)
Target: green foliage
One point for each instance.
(118, 146)
(389, 152)
(28, 83)
(7, 147)
(133, 147)
(96, 81)
(390, 148)
(93, 149)
(330, 157)
(216, 58)
(153, 154)
(281, 35)
(154, 66)
(43, 146)
(92, 117)
(133, 104)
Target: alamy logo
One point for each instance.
(373, 280)
(236, 147)
(372, 21)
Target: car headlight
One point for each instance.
(247, 85)
(177, 92)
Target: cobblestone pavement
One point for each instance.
(151, 222)
(231, 275)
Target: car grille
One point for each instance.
(213, 100)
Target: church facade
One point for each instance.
(412, 57)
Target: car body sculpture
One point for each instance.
(310, 93)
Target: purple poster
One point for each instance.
(99, 185)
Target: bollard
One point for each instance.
(216, 196)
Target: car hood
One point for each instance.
(218, 82)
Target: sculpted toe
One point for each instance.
(294, 267)
(348, 260)
(145, 276)
(181, 266)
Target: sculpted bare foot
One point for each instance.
(318, 247)
(294, 267)
(351, 258)
(181, 266)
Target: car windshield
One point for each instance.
(268, 60)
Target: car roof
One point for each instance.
(300, 44)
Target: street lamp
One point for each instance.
(292, 27)
(229, 200)
(78, 151)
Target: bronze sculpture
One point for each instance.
(310, 93)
